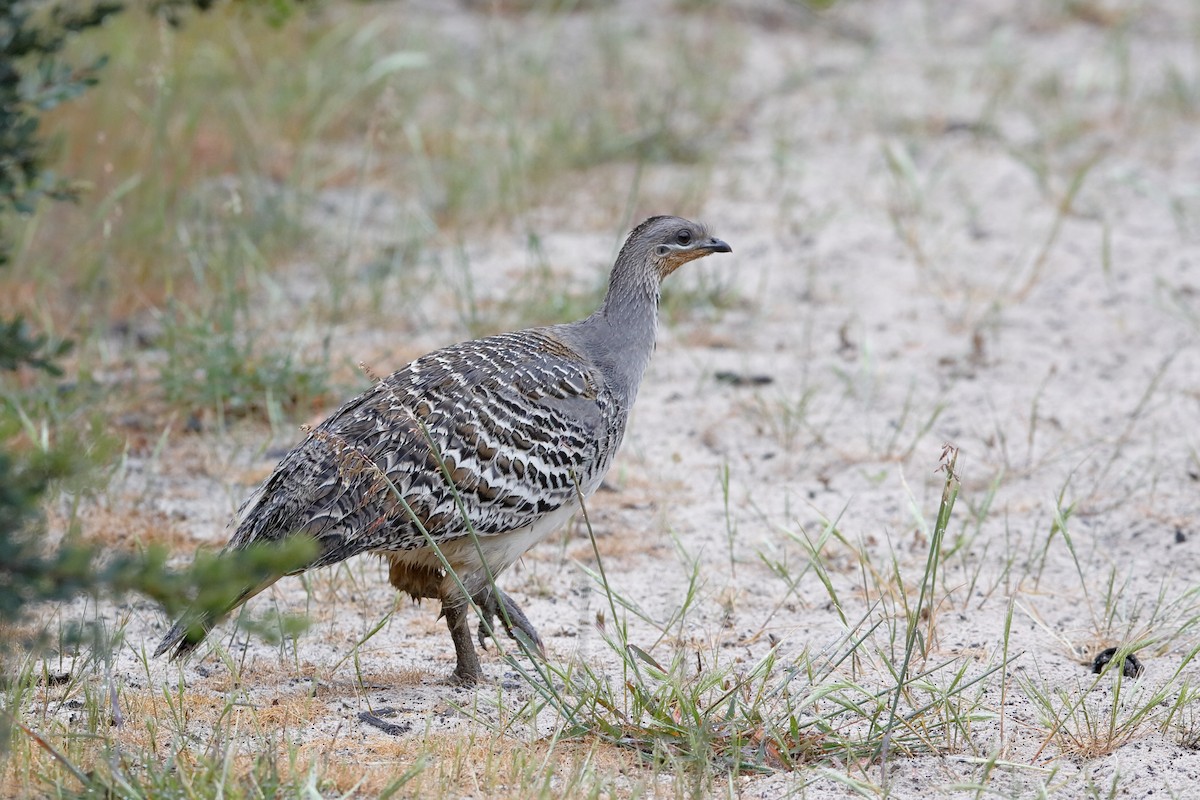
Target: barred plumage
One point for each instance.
(498, 435)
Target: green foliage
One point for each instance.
(33, 80)
(32, 573)
(133, 778)
(25, 574)
(18, 346)
(215, 580)
(706, 719)
(211, 366)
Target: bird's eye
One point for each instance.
(684, 236)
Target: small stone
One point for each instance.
(390, 728)
(1131, 669)
(742, 379)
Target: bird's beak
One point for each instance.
(715, 245)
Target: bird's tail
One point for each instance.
(250, 563)
(192, 628)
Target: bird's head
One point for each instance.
(667, 243)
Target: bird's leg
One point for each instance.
(494, 603)
(467, 671)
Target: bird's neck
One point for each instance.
(625, 325)
(631, 304)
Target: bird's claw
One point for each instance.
(495, 604)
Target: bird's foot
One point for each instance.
(467, 671)
(494, 603)
(463, 676)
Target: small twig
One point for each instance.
(928, 587)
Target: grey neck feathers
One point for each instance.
(620, 335)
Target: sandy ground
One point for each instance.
(965, 223)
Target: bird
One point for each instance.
(452, 467)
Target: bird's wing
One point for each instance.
(489, 435)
